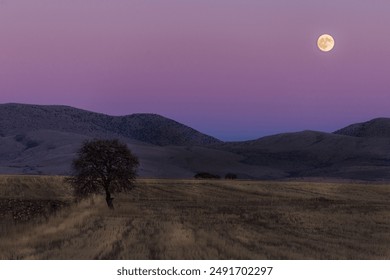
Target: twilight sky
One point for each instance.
(234, 69)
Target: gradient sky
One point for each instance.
(233, 69)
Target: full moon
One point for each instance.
(325, 43)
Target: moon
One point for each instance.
(325, 43)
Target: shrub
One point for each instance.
(231, 176)
(206, 175)
(31, 144)
(19, 137)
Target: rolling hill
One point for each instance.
(149, 128)
(38, 139)
(379, 127)
(319, 154)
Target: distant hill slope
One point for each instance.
(379, 127)
(318, 154)
(149, 128)
(38, 139)
(44, 139)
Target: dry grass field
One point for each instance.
(190, 219)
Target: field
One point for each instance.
(196, 219)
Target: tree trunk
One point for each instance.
(109, 200)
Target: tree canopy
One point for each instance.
(103, 166)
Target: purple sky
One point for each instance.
(233, 69)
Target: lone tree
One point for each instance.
(103, 166)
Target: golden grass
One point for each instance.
(34, 187)
(190, 219)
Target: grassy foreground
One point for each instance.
(189, 219)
